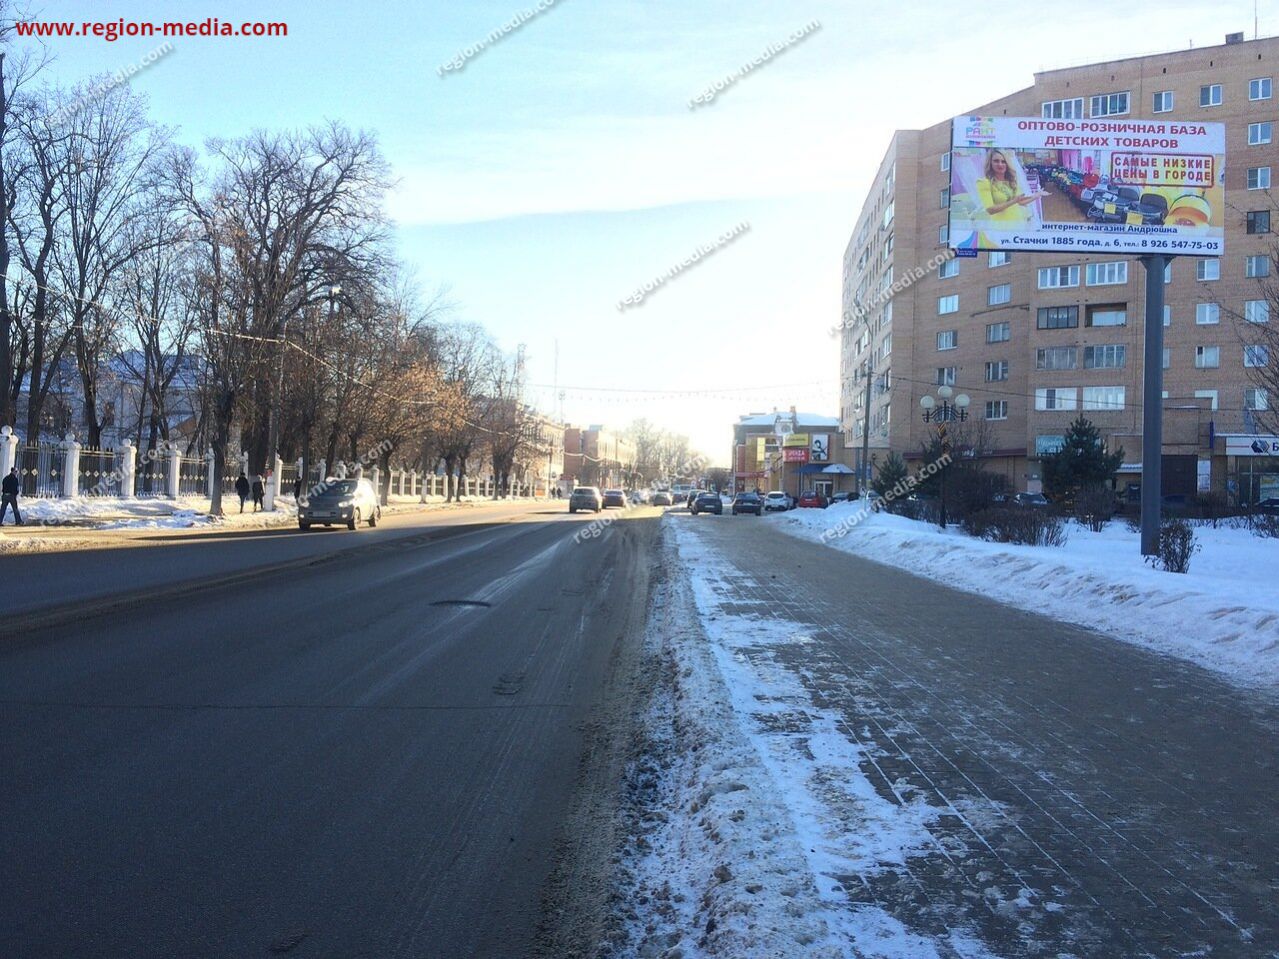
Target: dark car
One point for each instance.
(707, 503)
(614, 497)
(843, 496)
(346, 502)
(748, 503)
(811, 499)
(1269, 506)
(692, 497)
(1031, 500)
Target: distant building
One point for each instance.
(595, 456)
(791, 451)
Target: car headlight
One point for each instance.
(344, 504)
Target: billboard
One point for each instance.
(796, 439)
(1087, 185)
(795, 454)
(819, 448)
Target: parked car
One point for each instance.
(1269, 506)
(811, 499)
(635, 497)
(1031, 500)
(585, 497)
(614, 497)
(707, 503)
(748, 503)
(776, 500)
(349, 501)
(692, 497)
(662, 498)
(843, 496)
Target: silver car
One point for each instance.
(586, 497)
(349, 501)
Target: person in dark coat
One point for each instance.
(9, 497)
(242, 488)
(297, 490)
(259, 493)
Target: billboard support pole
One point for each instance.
(1152, 418)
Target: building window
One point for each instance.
(1103, 397)
(1255, 357)
(945, 163)
(1259, 89)
(996, 371)
(947, 340)
(1106, 316)
(998, 295)
(1260, 134)
(945, 376)
(1207, 314)
(996, 409)
(1063, 109)
(1057, 317)
(1162, 102)
(947, 269)
(1259, 178)
(1112, 356)
(943, 234)
(1256, 311)
(1107, 274)
(1255, 398)
(1206, 269)
(1056, 358)
(1207, 357)
(944, 197)
(1168, 272)
(1056, 277)
(1110, 104)
(888, 214)
(1056, 398)
(1210, 395)
(1256, 266)
(1167, 315)
(999, 258)
(998, 332)
(1258, 221)
(1210, 95)
(1167, 364)
(948, 304)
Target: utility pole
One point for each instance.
(1152, 415)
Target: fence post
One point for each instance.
(208, 472)
(127, 467)
(71, 467)
(376, 478)
(323, 471)
(8, 450)
(272, 485)
(173, 471)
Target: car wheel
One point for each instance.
(304, 524)
(354, 521)
(375, 516)
(572, 509)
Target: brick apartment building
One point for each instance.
(1035, 339)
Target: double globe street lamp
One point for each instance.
(944, 409)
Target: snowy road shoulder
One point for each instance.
(1223, 614)
(748, 809)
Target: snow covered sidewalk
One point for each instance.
(1223, 614)
(749, 807)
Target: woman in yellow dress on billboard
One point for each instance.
(1000, 192)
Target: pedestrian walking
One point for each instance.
(259, 493)
(9, 497)
(297, 490)
(242, 488)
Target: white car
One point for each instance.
(342, 502)
(777, 500)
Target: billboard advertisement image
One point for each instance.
(1088, 186)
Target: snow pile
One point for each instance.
(749, 802)
(1223, 614)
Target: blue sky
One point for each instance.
(562, 167)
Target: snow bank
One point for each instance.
(753, 803)
(1223, 614)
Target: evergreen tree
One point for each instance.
(1081, 462)
(891, 472)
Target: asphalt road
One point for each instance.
(371, 745)
(1134, 798)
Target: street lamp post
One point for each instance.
(943, 411)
